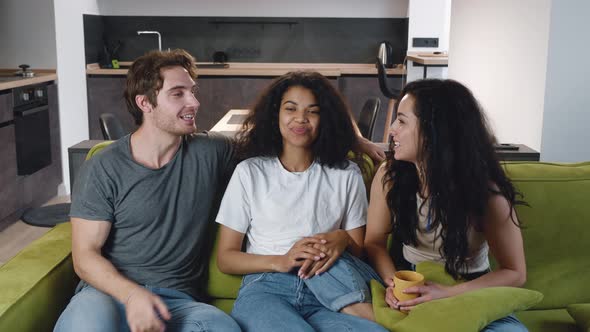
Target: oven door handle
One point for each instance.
(31, 111)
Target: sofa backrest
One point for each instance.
(556, 229)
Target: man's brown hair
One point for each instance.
(145, 77)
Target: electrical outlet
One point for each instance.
(424, 42)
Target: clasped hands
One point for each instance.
(315, 254)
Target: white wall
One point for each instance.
(27, 34)
(71, 73)
(499, 50)
(428, 18)
(257, 8)
(565, 135)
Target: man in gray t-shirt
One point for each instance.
(141, 210)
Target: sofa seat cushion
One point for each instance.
(548, 320)
(555, 229)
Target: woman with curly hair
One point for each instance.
(301, 205)
(444, 197)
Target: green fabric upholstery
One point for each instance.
(581, 314)
(37, 283)
(469, 311)
(95, 149)
(555, 235)
(552, 320)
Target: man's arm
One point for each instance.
(366, 146)
(88, 238)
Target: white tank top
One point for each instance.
(429, 243)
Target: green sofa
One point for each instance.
(36, 284)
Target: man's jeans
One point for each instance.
(93, 310)
(285, 302)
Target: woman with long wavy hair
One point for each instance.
(443, 196)
(301, 206)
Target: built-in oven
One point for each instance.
(32, 128)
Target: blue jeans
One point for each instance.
(93, 310)
(506, 324)
(285, 302)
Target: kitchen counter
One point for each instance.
(266, 69)
(41, 75)
(429, 59)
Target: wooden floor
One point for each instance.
(18, 235)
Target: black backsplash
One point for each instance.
(248, 39)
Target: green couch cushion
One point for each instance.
(552, 320)
(470, 311)
(555, 229)
(37, 283)
(581, 314)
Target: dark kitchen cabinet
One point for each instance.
(8, 179)
(8, 187)
(216, 95)
(219, 94)
(105, 95)
(6, 106)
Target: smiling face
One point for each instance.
(177, 106)
(299, 118)
(405, 131)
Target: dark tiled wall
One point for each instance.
(325, 40)
(93, 38)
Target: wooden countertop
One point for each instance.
(267, 69)
(41, 75)
(429, 59)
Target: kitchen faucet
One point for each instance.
(154, 33)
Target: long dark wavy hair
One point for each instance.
(260, 134)
(457, 158)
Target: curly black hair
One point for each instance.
(457, 158)
(260, 134)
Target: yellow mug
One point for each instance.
(403, 280)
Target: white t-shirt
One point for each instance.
(276, 208)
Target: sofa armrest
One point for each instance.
(38, 283)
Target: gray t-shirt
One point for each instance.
(161, 218)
